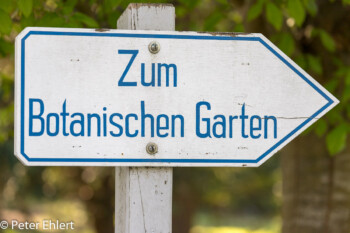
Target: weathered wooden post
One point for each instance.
(143, 195)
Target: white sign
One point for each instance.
(98, 98)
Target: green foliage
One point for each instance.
(7, 6)
(327, 40)
(6, 48)
(255, 10)
(331, 85)
(301, 61)
(274, 15)
(321, 127)
(212, 21)
(6, 22)
(319, 46)
(311, 7)
(85, 19)
(297, 11)
(314, 64)
(190, 4)
(68, 7)
(25, 6)
(113, 3)
(347, 78)
(336, 139)
(286, 43)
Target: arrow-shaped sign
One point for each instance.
(149, 98)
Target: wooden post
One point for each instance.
(143, 196)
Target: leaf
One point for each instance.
(296, 11)
(348, 110)
(238, 28)
(346, 94)
(301, 61)
(327, 40)
(337, 61)
(321, 127)
(68, 7)
(85, 19)
(51, 20)
(336, 140)
(255, 10)
(114, 3)
(212, 21)
(314, 64)
(5, 23)
(7, 6)
(223, 2)
(286, 44)
(189, 4)
(6, 47)
(274, 15)
(347, 78)
(25, 6)
(311, 7)
(181, 11)
(331, 85)
(335, 116)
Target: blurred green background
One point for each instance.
(304, 189)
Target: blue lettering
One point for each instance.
(143, 79)
(37, 117)
(231, 118)
(143, 119)
(127, 132)
(165, 127)
(104, 122)
(121, 82)
(120, 128)
(243, 117)
(206, 120)
(48, 126)
(98, 123)
(167, 68)
(266, 118)
(78, 123)
(182, 127)
(64, 114)
(252, 128)
(221, 123)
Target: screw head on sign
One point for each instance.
(152, 148)
(154, 47)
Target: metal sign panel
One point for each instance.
(98, 98)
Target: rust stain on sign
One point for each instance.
(149, 5)
(232, 34)
(102, 29)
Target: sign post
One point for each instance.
(143, 195)
(145, 98)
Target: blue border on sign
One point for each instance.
(163, 36)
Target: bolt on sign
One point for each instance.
(151, 98)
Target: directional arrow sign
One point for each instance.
(149, 98)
